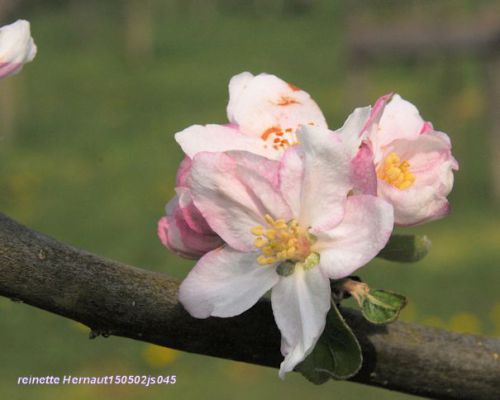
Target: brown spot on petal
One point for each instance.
(294, 88)
(286, 101)
(269, 131)
(277, 138)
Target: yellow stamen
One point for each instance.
(269, 219)
(257, 230)
(282, 241)
(270, 234)
(259, 242)
(396, 172)
(262, 260)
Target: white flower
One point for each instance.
(16, 47)
(411, 162)
(264, 112)
(288, 226)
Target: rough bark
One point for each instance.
(116, 299)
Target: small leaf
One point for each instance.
(336, 355)
(316, 364)
(406, 248)
(381, 306)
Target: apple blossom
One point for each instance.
(16, 47)
(289, 226)
(412, 162)
(264, 113)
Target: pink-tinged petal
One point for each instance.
(431, 164)
(7, 69)
(400, 120)
(364, 231)
(416, 205)
(225, 283)
(191, 214)
(445, 138)
(169, 235)
(178, 236)
(192, 247)
(234, 191)
(378, 109)
(291, 175)
(326, 179)
(195, 243)
(266, 107)
(300, 303)
(363, 172)
(430, 160)
(183, 172)
(426, 128)
(351, 132)
(361, 122)
(16, 47)
(162, 231)
(219, 138)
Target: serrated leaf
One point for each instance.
(381, 306)
(406, 248)
(336, 355)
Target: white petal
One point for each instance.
(300, 303)
(400, 120)
(417, 204)
(327, 178)
(225, 283)
(364, 231)
(351, 131)
(215, 138)
(362, 123)
(291, 175)
(237, 86)
(258, 103)
(16, 47)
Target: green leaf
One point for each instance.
(317, 365)
(381, 306)
(406, 248)
(336, 355)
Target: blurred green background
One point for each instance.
(87, 155)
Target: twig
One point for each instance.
(116, 299)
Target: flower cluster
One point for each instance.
(276, 201)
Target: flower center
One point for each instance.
(284, 242)
(396, 172)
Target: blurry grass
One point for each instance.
(93, 161)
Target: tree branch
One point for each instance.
(117, 299)
(414, 39)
